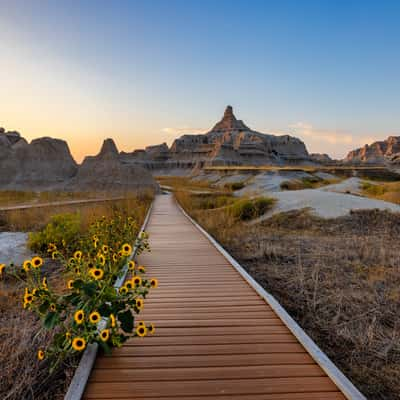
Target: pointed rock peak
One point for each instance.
(228, 114)
(109, 149)
(229, 122)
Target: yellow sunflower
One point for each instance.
(94, 317)
(54, 255)
(102, 259)
(79, 316)
(53, 307)
(104, 335)
(40, 355)
(79, 344)
(27, 265)
(141, 330)
(139, 303)
(2, 266)
(44, 282)
(70, 284)
(137, 280)
(131, 265)
(96, 273)
(129, 285)
(123, 290)
(51, 247)
(151, 328)
(115, 257)
(113, 321)
(141, 269)
(126, 249)
(37, 262)
(28, 298)
(95, 243)
(78, 255)
(154, 283)
(105, 248)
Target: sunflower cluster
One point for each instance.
(90, 309)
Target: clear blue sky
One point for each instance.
(143, 72)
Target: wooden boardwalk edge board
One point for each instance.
(59, 203)
(341, 381)
(82, 373)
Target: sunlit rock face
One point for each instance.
(380, 152)
(229, 142)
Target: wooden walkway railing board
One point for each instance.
(215, 336)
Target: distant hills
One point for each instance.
(47, 164)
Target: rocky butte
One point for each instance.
(381, 152)
(229, 142)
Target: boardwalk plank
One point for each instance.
(215, 336)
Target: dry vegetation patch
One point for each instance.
(388, 191)
(339, 278)
(23, 376)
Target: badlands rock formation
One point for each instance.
(47, 164)
(106, 172)
(386, 151)
(41, 164)
(229, 142)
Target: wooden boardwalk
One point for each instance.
(215, 336)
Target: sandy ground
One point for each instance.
(13, 247)
(351, 185)
(325, 203)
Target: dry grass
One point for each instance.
(32, 219)
(339, 278)
(185, 183)
(307, 168)
(15, 197)
(307, 183)
(388, 191)
(22, 376)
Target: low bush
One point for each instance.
(62, 229)
(248, 209)
(234, 186)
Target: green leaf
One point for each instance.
(89, 289)
(127, 320)
(50, 320)
(105, 347)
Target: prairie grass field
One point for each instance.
(23, 376)
(338, 278)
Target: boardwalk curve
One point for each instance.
(217, 335)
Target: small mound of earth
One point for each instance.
(13, 248)
(270, 182)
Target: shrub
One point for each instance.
(248, 209)
(234, 186)
(62, 229)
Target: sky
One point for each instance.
(145, 72)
